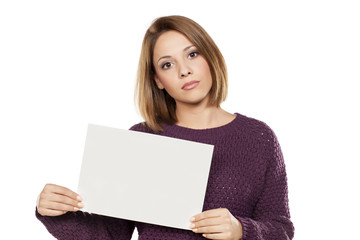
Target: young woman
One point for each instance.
(182, 81)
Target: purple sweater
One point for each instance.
(247, 176)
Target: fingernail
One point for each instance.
(80, 205)
(76, 209)
(79, 198)
(192, 225)
(192, 219)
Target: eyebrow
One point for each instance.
(185, 49)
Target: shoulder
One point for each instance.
(255, 129)
(262, 139)
(252, 124)
(141, 127)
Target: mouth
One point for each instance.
(190, 85)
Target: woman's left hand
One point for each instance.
(217, 224)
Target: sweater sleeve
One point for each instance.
(82, 225)
(271, 215)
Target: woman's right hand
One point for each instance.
(56, 200)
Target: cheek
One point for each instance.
(166, 80)
(163, 78)
(204, 67)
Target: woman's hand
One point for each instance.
(56, 200)
(217, 224)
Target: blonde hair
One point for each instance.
(156, 106)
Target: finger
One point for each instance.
(62, 190)
(207, 214)
(58, 206)
(64, 199)
(54, 197)
(206, 222)
(210, 229)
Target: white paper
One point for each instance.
(143, 177)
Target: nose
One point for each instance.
(184, 71)
(185, 74)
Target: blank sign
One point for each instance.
(143, 177)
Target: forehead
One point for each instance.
(170, 42)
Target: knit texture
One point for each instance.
(247, 176)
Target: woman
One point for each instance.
(181, 82)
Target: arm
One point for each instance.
(271, 216)
(82, 225)
(57, 209)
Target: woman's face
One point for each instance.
(181, 69)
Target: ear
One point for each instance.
(158, 83)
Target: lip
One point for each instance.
(190, 85)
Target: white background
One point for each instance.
(292, 64)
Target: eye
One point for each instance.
(193, 54)
(166, 65)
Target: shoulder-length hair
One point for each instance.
(156, 106)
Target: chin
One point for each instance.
(193, 101)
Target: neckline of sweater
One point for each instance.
(206, 132)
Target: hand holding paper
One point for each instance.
(55, 200)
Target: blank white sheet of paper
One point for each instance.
(143, 177)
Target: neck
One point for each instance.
(200, 116)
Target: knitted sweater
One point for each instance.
(247, 176)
